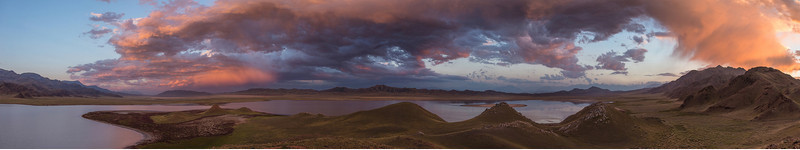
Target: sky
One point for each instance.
(149, 46)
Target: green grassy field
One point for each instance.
(184, 116)
(657, 120)
(407, 125)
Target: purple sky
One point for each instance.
(514, 46)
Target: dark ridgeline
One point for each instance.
(28, 85)
(182, 93)
(591, 91)
(377, 90)
(760, 93)
(696, 80)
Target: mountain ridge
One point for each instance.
(696, 80)
(182, 93)
(591, 91)
(761, 93)
(373, 90)
(37, 86)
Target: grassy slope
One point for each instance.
(704, 130)
(402, 125)
(184, 116)
(687, 130)
(191, 124)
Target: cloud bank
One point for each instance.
(736, 33)
(256, 43)
(613, 61)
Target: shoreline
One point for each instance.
(223, 99)
(146, 136)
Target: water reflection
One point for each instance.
(451, 111)
(40, 127)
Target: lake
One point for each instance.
(24, 126)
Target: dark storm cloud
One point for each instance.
(332, 40)
(659, 34)
(281, 40)
(613, 61)
(638, 39)
(637, 55)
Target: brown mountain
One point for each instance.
(182, 93)
(591, 91)
(374, 90)
(27, 85)
(696, 80)
(19, 90)
(761, 93)
(602, 123)
(400, 125)
(500, 113)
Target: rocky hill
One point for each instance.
(407, 125)
(28, 85)
(761, 93)
(501, 113)
(694, 81)
(406, 114)
(601, 123)
(182, 93)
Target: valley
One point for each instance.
(735, 108)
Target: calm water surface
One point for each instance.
(23, 126)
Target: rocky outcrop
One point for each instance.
(759, 94)
(694, 81)
(220, 123)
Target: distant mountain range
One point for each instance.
(27, 85)
(182, 93)
(591, 91)
(759, 93)
(384, 90)
(377, 90)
